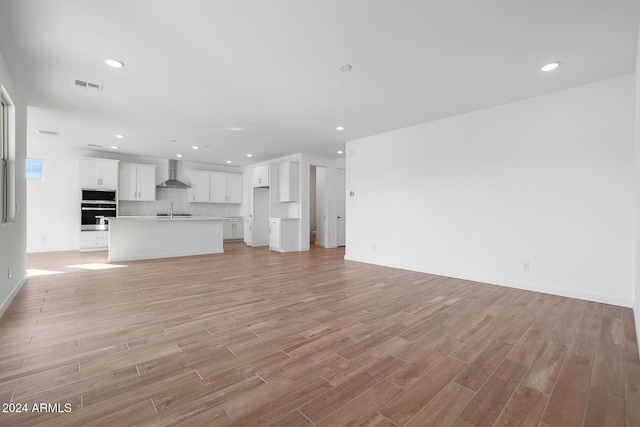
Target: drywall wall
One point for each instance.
(13, 233)
(536, 194)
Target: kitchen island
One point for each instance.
(146, 237)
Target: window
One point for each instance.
(7, 160)
(4, 159)
(34, 169)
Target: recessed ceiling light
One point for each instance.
(228, 161)
(114, 63)
(339, 128)
(195, 147)
(178, 155)
(345, 67)
(340, 152)
(550, 66)
(249, 155)
(119, 136)
(114, 147)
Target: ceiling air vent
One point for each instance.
(93, 87)
(48, 132)
(94, 145)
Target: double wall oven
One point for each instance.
(97, 205)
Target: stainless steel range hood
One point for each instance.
(173, 182)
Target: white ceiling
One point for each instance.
(194, 68)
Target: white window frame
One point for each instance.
(4, 159)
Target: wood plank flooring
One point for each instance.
(256, 338)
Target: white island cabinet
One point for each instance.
(135, 238)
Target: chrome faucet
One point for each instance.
(171, 210)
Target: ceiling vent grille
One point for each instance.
(92, 87)
(94, 145)
(48, 132)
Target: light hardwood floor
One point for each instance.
(250, 337)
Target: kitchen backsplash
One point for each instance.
(164, 197)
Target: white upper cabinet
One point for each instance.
(137, 182)
(199, 191)
(215, 187)
(288, 182)
(218, 187)
(234, 188)
(260, 176)
(98, 173)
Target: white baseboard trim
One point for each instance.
(7, 302)
(534, 287)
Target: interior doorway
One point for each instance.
(260, 216)
(318, 206)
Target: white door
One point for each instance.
(322, 231)
(342, 211)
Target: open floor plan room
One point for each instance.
(252, 337)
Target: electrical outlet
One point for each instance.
(44, 238)
(526, 266)
(373, 248)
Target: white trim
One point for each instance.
(605, 299)
(7, 302)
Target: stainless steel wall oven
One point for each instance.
(97, 205)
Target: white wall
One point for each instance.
(13, 234)
(53, 219)
(548, 181)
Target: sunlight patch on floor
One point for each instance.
(95, 266)
(32, 272)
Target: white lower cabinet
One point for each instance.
(94, 241)
(232, 229)
(284, 234)
(248, 231)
